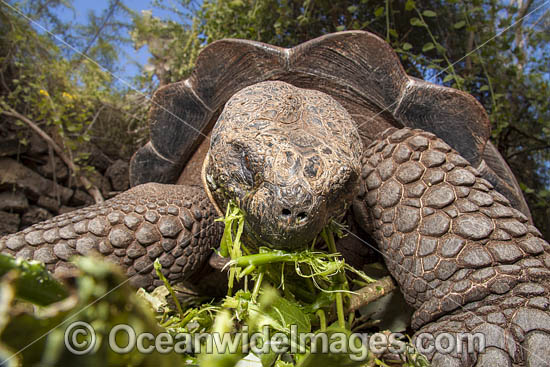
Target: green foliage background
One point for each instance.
(496, 50)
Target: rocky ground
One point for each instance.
(36, 185)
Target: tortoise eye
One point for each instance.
(246, 161)
(248, 171)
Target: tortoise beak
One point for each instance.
(285, 217)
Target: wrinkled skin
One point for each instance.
(292, 160)
(288, 157)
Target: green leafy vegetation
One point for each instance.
(73, 99)
(267, 298)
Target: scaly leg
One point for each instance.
(464, 258)
(171, 222)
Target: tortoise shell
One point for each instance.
(357, 68)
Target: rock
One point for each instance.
(35, 215)
(37, 145)
(101, 182)
(58, 167)
(81, 198)
(97, 158)
(11, 145)
(15, 174)
(49, 203)
(9, 223)
(118, 175)
(13, 201)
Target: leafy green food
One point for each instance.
(282, 297)
(306, 291)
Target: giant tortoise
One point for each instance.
(298, 137)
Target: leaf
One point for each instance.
(409, 5)
(355, 356)
(459, 25)
(429, 13)
(448, 78)
(417, 22)
(427, 47)
(341, 28)
(352, 8)
(406, 46)
(236, 3)
(484, 88)
(291, 314)
(379, 11)
(33, 282)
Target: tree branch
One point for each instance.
(92, 189)
(527, 150)
(519, 38)
(98, 31)
(370, 293)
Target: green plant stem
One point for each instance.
(262, 259)
(340, 310)
(340, 277)
(231, 281)
(249, 269)
(188, 318)
(158, 270)
(257, 285)
(322, 320)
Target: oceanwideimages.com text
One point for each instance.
(80, 338)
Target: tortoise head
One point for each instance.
(288, 157)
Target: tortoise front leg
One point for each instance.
(464, 258)
(171, 222)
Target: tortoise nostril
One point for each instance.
(301, 216)
(286, 212)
